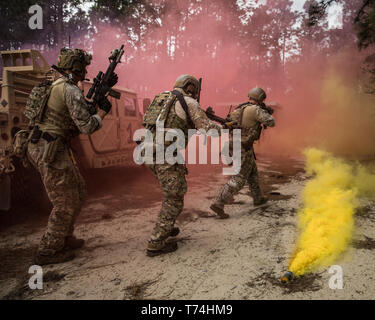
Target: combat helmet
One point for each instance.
(75, 60)
(257, 94)
(188, 83)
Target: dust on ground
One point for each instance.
(243, 257)
(304, 283)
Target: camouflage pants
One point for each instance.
(248, 173)
(173, 184)
(66, 190)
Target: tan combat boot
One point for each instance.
(58, 257)
(224, 197)
(154, 250)
(71, 242)
(174, 232)
(219, 211)
(259, 201)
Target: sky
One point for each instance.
(298, 4)
(334, 13)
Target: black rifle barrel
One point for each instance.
(100, 86)
(199, 90)
(115, 60)
(95, 84)
(211, 115)
(267, 108)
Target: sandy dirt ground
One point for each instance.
(243, 257)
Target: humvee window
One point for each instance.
(129, 107)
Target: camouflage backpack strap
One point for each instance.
(184, 105)
(242, 105)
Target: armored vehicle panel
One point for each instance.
(112, 145)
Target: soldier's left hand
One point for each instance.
(105, 104)
(231, 125)
(113, 80)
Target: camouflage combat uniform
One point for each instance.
(66, 116)
(172, 177)
(248, 172)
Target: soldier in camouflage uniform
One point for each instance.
(65, 116)
(172, 177)
(251, 116)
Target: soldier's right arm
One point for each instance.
(264, 117)
(199, 117)
(79, 110)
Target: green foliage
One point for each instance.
(365, 24)
(317, 10)
(364, 19)
(60, 18)
(12, 23)
(266, 37)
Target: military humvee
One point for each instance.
(111, 146)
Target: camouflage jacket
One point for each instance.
(67, 113)
(251, 117)
(197, 115)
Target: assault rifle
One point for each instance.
(267, 108)
(199, 90)
(227, 122)
(101, 87)
(211, 115)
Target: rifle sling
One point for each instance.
(242, 104)
(184, 105)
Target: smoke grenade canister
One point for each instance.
(288, 276)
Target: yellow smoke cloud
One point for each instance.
(345, 122)
(330, 199)
(330, 111)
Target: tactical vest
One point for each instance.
(162, 110)
(245, 115)
(56, 118)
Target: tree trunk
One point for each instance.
(60, 23)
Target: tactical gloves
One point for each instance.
(113, 80)
(104, 104)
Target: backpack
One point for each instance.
(37, 101)
(34, 110)
(248, 135)
(158, 109)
